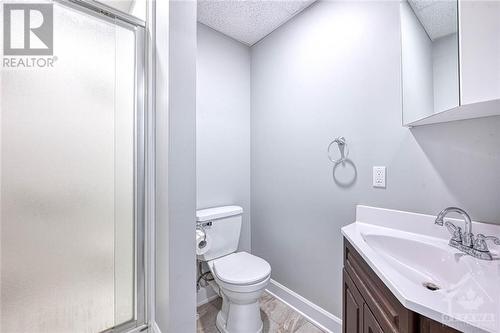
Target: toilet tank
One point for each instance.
(223, 226)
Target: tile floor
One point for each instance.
(276, 315)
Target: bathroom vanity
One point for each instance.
(370, 307)
(400, 275)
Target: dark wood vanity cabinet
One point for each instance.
(370, 307)
(370, 324)
(353, 307)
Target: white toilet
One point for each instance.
(239, 277)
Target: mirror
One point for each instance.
(430, 62)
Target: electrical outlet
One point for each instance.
(379, 176)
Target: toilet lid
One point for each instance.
(241, 268)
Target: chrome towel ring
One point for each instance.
(343, 148)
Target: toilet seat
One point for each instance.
(240, 269)
(240, 278)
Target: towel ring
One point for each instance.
(343, 148)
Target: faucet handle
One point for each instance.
(456, 232)
(480, 242)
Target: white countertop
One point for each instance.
(406, 249)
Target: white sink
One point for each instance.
(420, 261)
(411, 255)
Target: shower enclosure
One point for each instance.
(72, 176)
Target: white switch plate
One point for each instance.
(379, 176)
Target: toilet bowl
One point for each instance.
(239, 277)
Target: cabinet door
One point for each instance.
(353, 307)
(370, 324)
(430, 326)
(480, 50)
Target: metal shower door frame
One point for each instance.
(141, 316)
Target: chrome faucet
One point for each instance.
(467, 235)
(466, 241)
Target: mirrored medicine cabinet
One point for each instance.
(450, 60)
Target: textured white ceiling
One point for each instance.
(438, 17)
(248, 21)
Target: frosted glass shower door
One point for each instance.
(69, 152)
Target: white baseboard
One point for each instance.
(207, 300)
(315, 314)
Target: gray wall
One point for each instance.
(417, 67)
(175, 166)
(335, 70)
(445, 72)
(223, 127)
